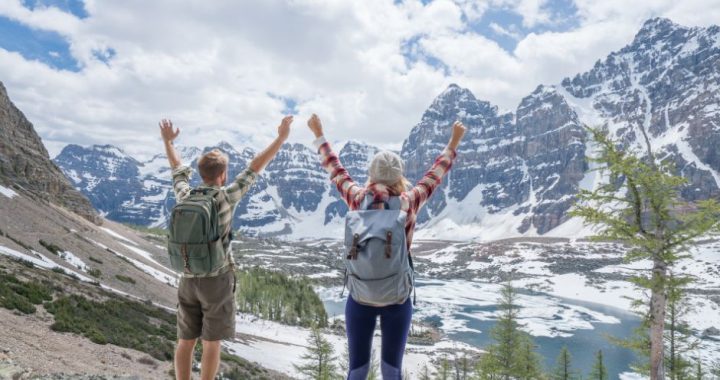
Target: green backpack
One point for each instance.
(194, 243)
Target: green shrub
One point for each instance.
(149, 230)
(54, 249)
(127, 279)
(18, 242)
(95, 272)
(118, 321)
(21, 295)
(26, 263)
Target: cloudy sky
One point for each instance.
(105, 71)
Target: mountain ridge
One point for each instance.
(517, 172)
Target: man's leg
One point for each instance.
(218, 306)
(189, 325)
(210, 362)
(183, 358)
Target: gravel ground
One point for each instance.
(30, 350)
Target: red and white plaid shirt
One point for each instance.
(410, 201)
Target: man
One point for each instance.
(206, 303)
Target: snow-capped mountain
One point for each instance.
(517, 172)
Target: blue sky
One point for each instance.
(501, 24)
(99, 72)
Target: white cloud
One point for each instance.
(508, 32)
(218, 67)
(534, 12)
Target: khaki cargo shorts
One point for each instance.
(206, 307)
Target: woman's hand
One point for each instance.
(458, 131)
(315, 125)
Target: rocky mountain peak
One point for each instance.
(654, 29)
(25, 163)
(461, 101)
(516, 172)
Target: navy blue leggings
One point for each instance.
(394, 325)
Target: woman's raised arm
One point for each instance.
(350, 191)
(418, 195)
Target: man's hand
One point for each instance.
(166, 130)
(315, 125)
(284, 128)
(458, 131)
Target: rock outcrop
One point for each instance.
(26, 165)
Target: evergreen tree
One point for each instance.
(425, 374)
(463, 367)
(279, 297)
(512, 355)
(528, 361)
(699, 373)
(345, 361)
(641, 207)
(445, 371)
(599, 371)
(318, 361)
(563, 367)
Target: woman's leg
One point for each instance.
(360, 326)
(395, 323)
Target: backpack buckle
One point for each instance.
(388, 244)
(352, 255)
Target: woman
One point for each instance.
(385, 180)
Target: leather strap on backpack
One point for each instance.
(388, 244)
(352, 255)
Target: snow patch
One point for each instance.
(10, 193)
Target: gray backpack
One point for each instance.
(378, 267)
(194, 243)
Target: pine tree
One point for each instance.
(512, 355)
(563, 368)
(599, 371)
(699, 373)
(506, 334)
(463, 367)
(640, 206)
(425, 374)
(444, 372)
(318, 361)
(345, 361)
(528, 361)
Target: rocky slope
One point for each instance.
(25, 163)
(517, 172)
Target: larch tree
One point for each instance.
(640, 206)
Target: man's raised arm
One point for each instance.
(244, 180)
(180, 174)
(168, 135)
(263, 158)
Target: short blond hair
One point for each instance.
(212, 165)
